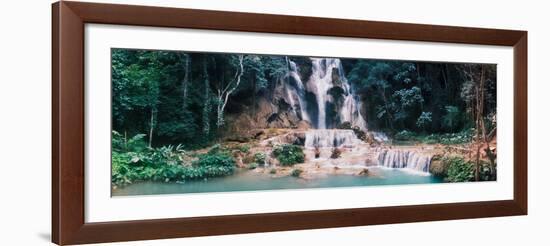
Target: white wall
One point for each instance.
(25, 122)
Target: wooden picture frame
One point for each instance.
(68, 223)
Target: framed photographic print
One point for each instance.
(174, 122)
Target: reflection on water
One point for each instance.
(252, 181)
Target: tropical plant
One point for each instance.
(288, 154)
(424, 120)
(459, 170)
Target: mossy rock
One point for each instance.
(438, 167)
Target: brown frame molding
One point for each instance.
(68, 19)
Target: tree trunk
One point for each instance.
(387, 107)
(125, 141)
(185, 81)
(206, 106)
(480, 123)
(225, 93)
(253, 95)
(152, 126)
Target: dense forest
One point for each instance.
(195, 100)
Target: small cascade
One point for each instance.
(331, 139)
(400, 158)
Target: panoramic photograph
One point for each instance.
(195, 122)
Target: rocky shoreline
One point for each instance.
(355, 156)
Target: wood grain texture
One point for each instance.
(251, 22)
(68, 19)
(68, 124)
(520, 122)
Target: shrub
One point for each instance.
(424, 120)
(217, 148)
(296, 172)
(121, 143)
(461, 137)
(215, 160)
(252, 166)
(404, 135)
(288, 154)
(260, 158)
(122, 172)
(273, 171)
(459, 170)
(213, 165)
(244, 148)
(165, 163)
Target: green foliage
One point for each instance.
(135, 143)
(451, 118)
(288, 154)
(218, 159)
(272, 171)
(409, 97)
(244, 148)
(165, 164)
(260, 158)
(424, 120)
(405, 136)
(459, 169)
(296, 172)
(122, 172)
(252, 165)
(398, 94)
(461, 137)
(464, 136)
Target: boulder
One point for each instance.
(296, 138)
(438, 167)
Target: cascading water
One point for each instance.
(320, 83)
(399, 158)
(296, 90)
(334, 138)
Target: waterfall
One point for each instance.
(321, 81)
(326, 74)
(331, 138)
(399, 158)
(296, 90)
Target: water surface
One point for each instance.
(253, 181)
